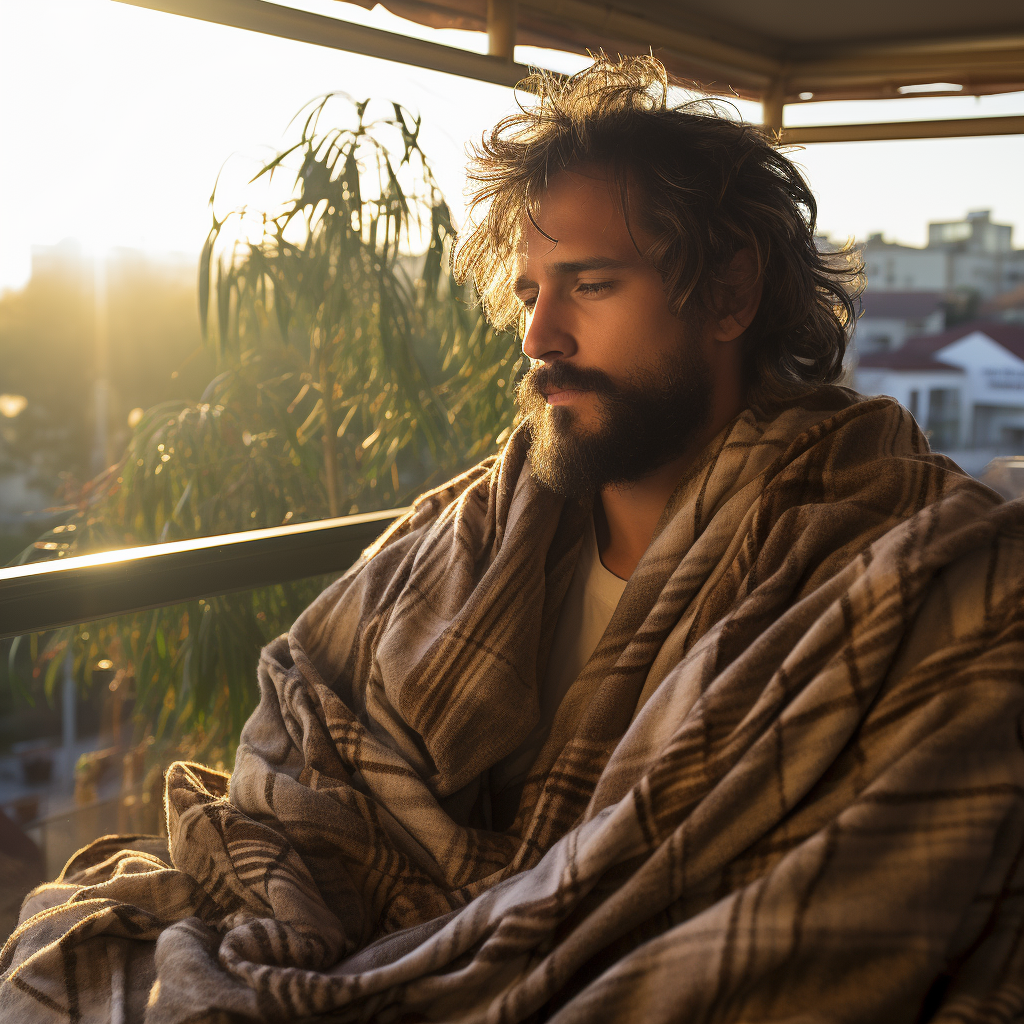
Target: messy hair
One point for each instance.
(703, 185)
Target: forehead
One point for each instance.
(579, 214)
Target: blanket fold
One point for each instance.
(787, 786)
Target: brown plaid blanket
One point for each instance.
(788, 786)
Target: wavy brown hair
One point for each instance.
(703, 185)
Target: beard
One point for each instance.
(645, 422)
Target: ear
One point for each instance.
(738, 296)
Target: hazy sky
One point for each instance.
(115, 122)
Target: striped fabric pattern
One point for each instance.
(787, 786)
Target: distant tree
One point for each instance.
(48, 352)
(961, 306)
(353, 373)
(45, 345)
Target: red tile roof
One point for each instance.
(918, 353)
(901, 359)
(1010, 336)
(900, 305)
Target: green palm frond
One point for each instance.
(353, 373)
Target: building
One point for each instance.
(1009, 306)
(969, 268)
(976, 234)
(964, 385)
(974, 256)
(891, 267)
(888, 319)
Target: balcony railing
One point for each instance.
(63, 592)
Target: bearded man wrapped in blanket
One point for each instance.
(701, 701)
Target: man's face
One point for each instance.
(618, 385)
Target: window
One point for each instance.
(100, 325)
(944, 418)
(956, 232)
(1013, 438)
(106, 371)
(121, 425)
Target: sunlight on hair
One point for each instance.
(704, 184)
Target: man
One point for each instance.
(700, 701)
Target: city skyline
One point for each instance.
(73, 249)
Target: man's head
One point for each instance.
(658, 260)
(619, 384)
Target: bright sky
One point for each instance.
(115, 122)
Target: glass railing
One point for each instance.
(98, 651)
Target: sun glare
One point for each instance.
(12, 405)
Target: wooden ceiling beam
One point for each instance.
(606, 21)
(1012, 78)
(776, 81)
(969, 44)
(501, 29)
(958, 128)
(879, 89)
(924, 64)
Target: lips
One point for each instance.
(558, 396)
(561, 384)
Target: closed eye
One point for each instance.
(589, 288)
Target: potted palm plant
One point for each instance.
(353, 372)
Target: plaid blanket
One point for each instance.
(787, 786)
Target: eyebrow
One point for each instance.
(565, 268)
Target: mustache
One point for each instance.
(562, 376)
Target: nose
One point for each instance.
(549, 334)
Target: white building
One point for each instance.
(891, 267)
(972, 256)
(965, 387)
(977, 233)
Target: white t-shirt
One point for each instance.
(589, 603)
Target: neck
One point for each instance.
(627, 515)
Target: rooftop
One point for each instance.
(919, 353)
(901, 359)
(1008, 300)
(900, 305)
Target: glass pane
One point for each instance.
(944, 417)
(91, 715)
(124, 121)
(101, 332)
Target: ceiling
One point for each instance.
(833, 51)
(812, 23)
(790, 51)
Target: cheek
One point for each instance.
(634, 317)
(639, 332)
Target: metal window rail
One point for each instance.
(304, 27)
(44, 595)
